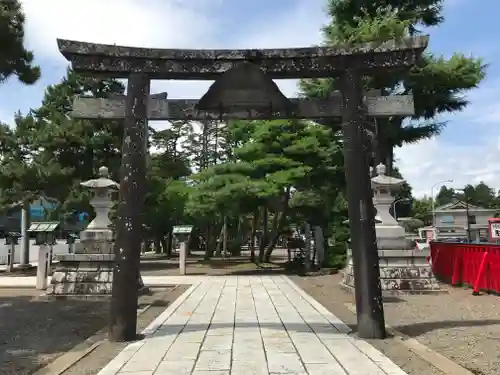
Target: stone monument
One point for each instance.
(89, 271)
(403, 269)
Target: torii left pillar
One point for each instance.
(123, 318)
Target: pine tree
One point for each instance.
(438, 84)
(14, 58)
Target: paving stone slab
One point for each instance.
(247, 325)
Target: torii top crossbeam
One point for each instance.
(187, 64)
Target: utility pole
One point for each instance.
(468, 219)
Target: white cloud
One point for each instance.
(431, 161)
(465, 161)
(167, 24)
(127, 22)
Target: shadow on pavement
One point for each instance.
(174, 329)
(418, 329)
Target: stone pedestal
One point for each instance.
(88, 273)
(402, 269)
(401, 272)
(83, 275)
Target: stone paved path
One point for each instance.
(245, 325)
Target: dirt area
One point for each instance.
(458, 325)
(158, 265)
(35, 332)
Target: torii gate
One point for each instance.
(244, 89)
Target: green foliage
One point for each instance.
(478, 195)
(403, 197)
(273, 156)
(438, 84)
(48, 153)
(384, 24)
(421, 12)
(422, 210)
(444, 196)
(15, 59)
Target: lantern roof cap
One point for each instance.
(102, 182)
(382, 180)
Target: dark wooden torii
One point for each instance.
(140, 65)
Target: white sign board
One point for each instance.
(495, 231)
(182, 229)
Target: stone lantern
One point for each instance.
(89, 271)
(390, 235)
(403, 270)
(99, 230)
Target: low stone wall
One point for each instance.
(82, 275)
(401, 272)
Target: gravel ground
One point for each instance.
(458, 325)
(35, 332)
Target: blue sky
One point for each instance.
(465, 152)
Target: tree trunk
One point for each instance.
(319, 242)
(220, 240)
(308, 260)
(378, 150)
(169, 243)
(385, 146)
(276, 227)
(204, 145)
(157, 243)
(211, 242)
(123, 313)
(278, 223)
(255, 222)
(164, 244)
(389, 160)
(264, 234)
(369, 308)
(224, 237)
(146, 245)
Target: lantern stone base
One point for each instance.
(391, 237)
(83, 276)
(401, 272)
